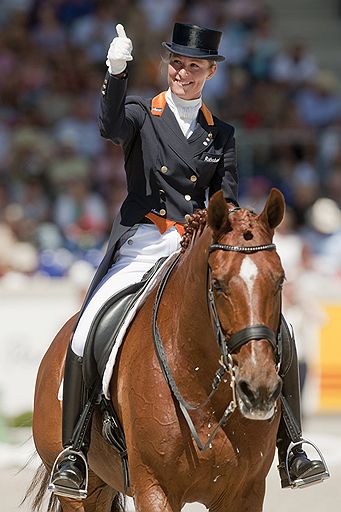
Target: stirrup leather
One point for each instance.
(300, 483)
(61, 490)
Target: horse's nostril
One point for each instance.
(246, 391)
(258, 396)
(276, 392)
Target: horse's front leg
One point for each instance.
(149, 495)
(100, 498)
(249, 498)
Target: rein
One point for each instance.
(226, 346)
(184, 405)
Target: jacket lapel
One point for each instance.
(203, 135)
(197, 143)
(169, 119)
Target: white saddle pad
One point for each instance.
(129, 317)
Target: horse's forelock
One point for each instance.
(243, 221)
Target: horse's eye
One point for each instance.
(280, 284)
(217, 286)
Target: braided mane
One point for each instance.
(197, 222)
(194, 227)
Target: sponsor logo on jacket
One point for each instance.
(212, 159)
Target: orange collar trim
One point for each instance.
(207, 115)
(159, 103)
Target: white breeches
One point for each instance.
(134, 258)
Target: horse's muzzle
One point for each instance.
(257, 402)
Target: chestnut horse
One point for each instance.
(198, 400)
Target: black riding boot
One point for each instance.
(69, 474)
(295, 468)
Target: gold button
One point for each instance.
(188, 197)
(164, 169)
(187, 217)
(162, 212)
(193, 178)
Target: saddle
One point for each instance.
(107, 325)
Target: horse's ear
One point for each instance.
(274, 209)
(217, 214)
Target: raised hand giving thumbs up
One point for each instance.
(119, 52)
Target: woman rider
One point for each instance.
(176, 153)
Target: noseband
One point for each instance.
(226, 346)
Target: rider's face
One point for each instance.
(187, 76)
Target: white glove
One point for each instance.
(119, 52)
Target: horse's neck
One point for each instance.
(190, 343)
(193, 325)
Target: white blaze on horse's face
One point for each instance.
(248, 272)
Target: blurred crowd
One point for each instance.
(61, 183)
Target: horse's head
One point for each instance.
(246, 278)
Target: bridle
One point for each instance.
(253, 332)
(227, 346)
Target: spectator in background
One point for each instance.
(93, 32)
(48, 33)
(254, 192)
(247, 12)
(237, 41)
(157, 14)
(333, 181)
(29, 154)
(263, 47)
(322, 233)
(67, 163)
(294, 66)
(329, 153)
(17, 258)
(81, 216)
(304, 181)
(235, 102)
(111, 185)
(300, 305)
(80, 127)
(35, 205)
(68, 11)
(319, 103)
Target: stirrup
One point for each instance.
(60, 490)
(300, 483)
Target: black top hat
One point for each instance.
(194, 41)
